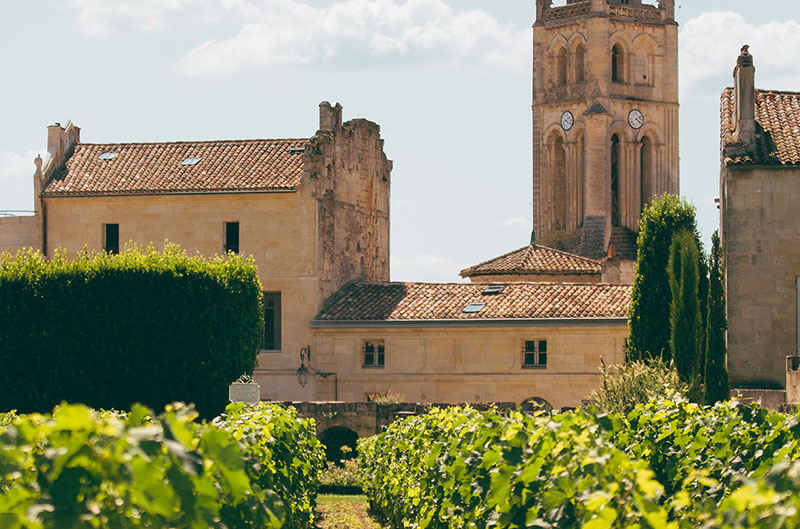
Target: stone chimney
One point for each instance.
(60, 141)
(330, 118)
(744, 93)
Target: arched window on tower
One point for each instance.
(561, 67)
(617, 64)
(646, 171)
(580, 52)
(559, 184)
(615, 158)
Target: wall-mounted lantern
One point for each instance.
(303, 372)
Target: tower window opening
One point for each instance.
(646, 171)
(617, 64)
(615, 157)
(561, 67)
(579, 63)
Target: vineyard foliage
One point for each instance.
(284, 449)
(80, 468)
(667, 464)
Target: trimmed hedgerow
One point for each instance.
(110, 330)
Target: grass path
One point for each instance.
(344, 512)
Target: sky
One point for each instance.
(448, 81)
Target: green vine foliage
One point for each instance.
(282, 446)
(666, 464)
(459, 468)
(78, 469)
(109, 330)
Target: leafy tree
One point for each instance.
(685, 322)
(649, 309)
(716, 375)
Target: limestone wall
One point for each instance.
(468, 364)
(761, 244)
(19, 232)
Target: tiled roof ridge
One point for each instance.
(475, 269)
(188, 142)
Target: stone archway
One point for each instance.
(335, 439)
(534, 404)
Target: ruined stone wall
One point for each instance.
(348, 175)
(469, 364)
(20, 232)
(761, 244)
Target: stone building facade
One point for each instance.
(760, 228)
(461, 342)
(605, 121)
(314, 213)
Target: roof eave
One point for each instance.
(487, 322)
(167, 193)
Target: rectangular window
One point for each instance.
(271, 339)
(534, 354)
(373, 353)
(232, 237)
(111, 238)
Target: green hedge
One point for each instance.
(110, 330)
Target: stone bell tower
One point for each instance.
(605, 120)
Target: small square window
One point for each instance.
(534, 354)
(232, 237)
(373, 353)
(111, 238)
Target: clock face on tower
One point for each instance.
(567, 120)
(635, 119)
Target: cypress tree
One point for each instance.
(649, 311)
(716, 375)
(685, 320)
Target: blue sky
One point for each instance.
(448, 81)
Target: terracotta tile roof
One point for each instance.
(535, 259)
(777, 128)
(147, 168)
(446, 301)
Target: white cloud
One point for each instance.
(101, 18)
(710, 43)
(516, 222)
(16, 179)
(425, 267)
(283, 32)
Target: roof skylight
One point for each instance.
(296, 150)
(108, 155)
(493, 289)
(473, 307)
(191, 161)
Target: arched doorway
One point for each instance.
(334, 439)
(534, 404)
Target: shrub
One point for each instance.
(623, 387)
(111, 330)
(341, 479)
(386, 397)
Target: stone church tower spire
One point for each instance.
(605, 120)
